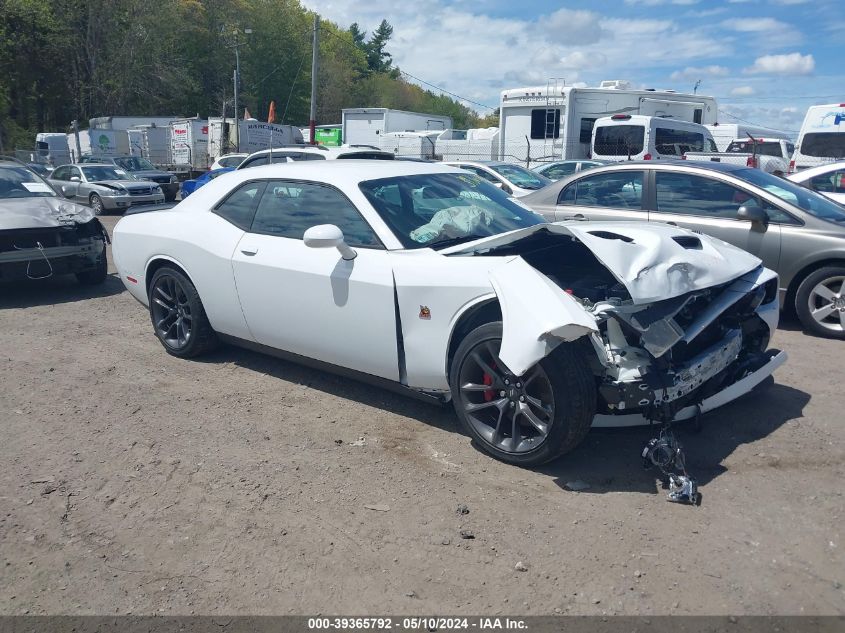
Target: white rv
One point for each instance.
(726, 133)
(555, 122)
(822, 137)
(364, 126)
(638, 137)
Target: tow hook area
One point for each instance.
(667, 454)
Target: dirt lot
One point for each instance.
(135, 482)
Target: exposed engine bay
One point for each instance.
(659, 357)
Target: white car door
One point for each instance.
(310, 301)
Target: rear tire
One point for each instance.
(542, 415)
(820, 302)
(177, 314)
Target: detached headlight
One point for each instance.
(114, 192)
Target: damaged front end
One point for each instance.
(655, 359)
(55, 238)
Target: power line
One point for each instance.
(733, 116)
(422, 81)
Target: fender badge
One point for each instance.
(425, 313)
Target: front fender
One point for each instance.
(537, 315)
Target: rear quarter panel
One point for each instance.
(200, 243)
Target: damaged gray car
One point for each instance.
(42, 234)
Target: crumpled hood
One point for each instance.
(37, 213)
(654, 261)
(150, 173)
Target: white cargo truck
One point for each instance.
(189, 145)
(555, 122)
(52, 148)
(364, 126)
(410, 144)
(472, 144)
(127, 122)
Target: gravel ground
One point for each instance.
(135, 482)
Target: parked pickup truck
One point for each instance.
(772, 155)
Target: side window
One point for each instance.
(256, 162)
(545, 123)
(559, 171)
(287, 209)
(833, 182)
(481, 173)
(696, 195)
(239, 207)
(60, 174)
(586, 134)
(74, 171)
(617, 190)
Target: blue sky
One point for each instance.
(765, 61)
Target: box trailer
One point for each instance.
(555, 122)
(254, 136)
(100, 142)
(471, 144)
(127, 122)
(189, 145)
(52, 148)
(364, 126)
(410, 144)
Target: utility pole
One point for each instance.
(695, 88)
(75, 125)
(236, 44)
(312, 123)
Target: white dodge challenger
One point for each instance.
(430, 280)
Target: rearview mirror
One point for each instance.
(328, 236)
(754, 213)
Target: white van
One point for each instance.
(638, 137)
(822, 137)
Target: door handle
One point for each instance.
(672, 223)
(249, 250)
(579, 216)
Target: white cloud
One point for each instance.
(789, 64)
(742, 91)
(754, 25)
(654, 3)
(691, 73)
(791, 2)
(579, 60)
(579, 27)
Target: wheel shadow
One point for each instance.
(54, 290)
(610, 460)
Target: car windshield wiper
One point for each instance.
(451, 241)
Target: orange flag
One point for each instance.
(271, 116)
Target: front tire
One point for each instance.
(96, 204)
(177, 314)
(820, 302)
(523, 420)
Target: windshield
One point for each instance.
(619, 140)
(824, 144)
(96, 174)
(20, 182)
(521, 177)
(134, 163)
(809, 201)
(231, 161)
(765, 148)
(443, 209)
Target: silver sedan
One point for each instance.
(104, 187)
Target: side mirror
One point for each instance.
(328, 236)
(754, 213)
(504, 187)
(74, 178)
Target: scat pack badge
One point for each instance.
(425, 313)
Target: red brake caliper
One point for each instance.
(488, 380)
